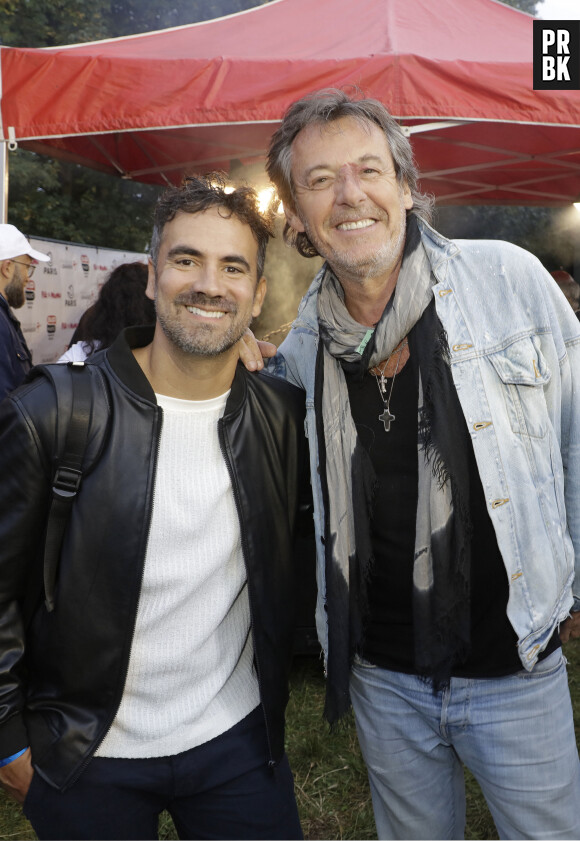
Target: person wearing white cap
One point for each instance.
(17, 263)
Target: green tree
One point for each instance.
(64, 201)
(50, 23)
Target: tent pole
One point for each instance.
(4, 181)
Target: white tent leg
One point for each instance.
(3, 181)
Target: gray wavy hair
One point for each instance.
(325, 106)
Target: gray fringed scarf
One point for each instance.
(440, 544)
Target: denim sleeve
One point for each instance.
(566, 329)
(276, 365)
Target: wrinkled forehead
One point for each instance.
(344, 142)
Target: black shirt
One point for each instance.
(389, 638)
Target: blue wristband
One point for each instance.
(10, 759)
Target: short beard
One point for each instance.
(364, 268)
(194, 344)
(14, 292)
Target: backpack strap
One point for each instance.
(68, 474)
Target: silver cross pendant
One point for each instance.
(386, 417)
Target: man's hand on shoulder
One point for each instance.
(570, 629)
(16, 777)
(252, 352)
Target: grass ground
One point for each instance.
(331, 782)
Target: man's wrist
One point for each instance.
(10, 759)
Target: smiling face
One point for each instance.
(205, 283)
(347, 198)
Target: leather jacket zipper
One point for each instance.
(221, 436)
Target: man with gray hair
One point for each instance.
(442, 388)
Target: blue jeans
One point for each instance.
(222, 789)
(515, 734)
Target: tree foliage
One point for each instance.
(53, 23)
(64, 201)
(50, 23)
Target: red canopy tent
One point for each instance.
(456, 73)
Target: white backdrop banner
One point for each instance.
(61, 290)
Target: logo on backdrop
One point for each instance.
(30, 293)
(48, 268)
(70, 301)
(556, 55)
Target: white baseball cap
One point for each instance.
(13, 244)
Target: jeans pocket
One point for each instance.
(546, 667)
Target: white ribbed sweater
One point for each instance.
(190, 674)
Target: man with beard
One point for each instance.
(154, 674)
(442, 388)
(16, 267)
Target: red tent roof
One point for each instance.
(199, 96)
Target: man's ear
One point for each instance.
(6, 272)
(293, 219)
(151, 281)
(259, 296)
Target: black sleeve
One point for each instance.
(24, 499)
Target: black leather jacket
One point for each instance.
(15, 358)
(61, 682)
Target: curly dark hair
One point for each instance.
(198, 193)
(121, 303)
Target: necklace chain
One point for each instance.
(379, 373)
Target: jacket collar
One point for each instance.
(128, 370)
(8, 309)
(120, 357)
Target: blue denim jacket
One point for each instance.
(515, 361)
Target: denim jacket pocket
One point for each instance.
(524, 373)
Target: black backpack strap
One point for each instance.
(68, 474)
